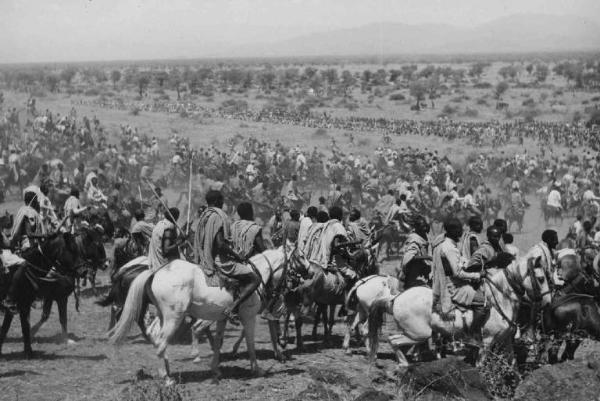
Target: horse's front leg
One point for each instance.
(351, 324)
(62, 316)
(26, 330)
(46, 310)
(274, 332)
(8, 317)
(248, 319)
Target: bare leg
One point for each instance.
(351, 323)
(274, 332)
(218, 342)
(248, 320)
(237, 344)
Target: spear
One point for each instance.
(167, 210)
(187, 227)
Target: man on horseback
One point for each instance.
(416, 262)
(469, 241)
(213, 252)
(27, 230)
(545, 251)
(333, 246)
(486, 255)
(164, 244)
(246, 235)
(73, 211)
(454, 285)
(358, 228)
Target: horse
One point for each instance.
(327, 289)
(505, 290)
(92, 255)
(552, 212)
(180, 288)
(359, 301)
(574, 312)
(514, 215)
(62, 253)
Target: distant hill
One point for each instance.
(516, 33)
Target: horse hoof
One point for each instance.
(28, 354)
(70, 342)
(216, 376)
(169, 382)
(348, 351)
(197, 359)
(258, 372)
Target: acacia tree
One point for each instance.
(142, 82)
(541, 72)
(348, 81)
(115, 76)
(499, 90)
(418, 90)
(67, 75)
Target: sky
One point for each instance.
(87, 30)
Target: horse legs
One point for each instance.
(328, 324)
(46, 310)
(352, 322)
(570, 348)
(141, 321)
(217, 343)
(298, 325)
(274, 331)
(170, 321)
(62, 317)
(26, 330)
(398, 341)
(237, 344)
(8, 317)
(248, 320)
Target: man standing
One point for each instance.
(164, 246)
(246, 235)
(212, 249)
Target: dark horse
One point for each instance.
(50, 273)
(92, 254)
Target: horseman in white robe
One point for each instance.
(544, 250)
(94, 194)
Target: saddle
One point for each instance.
(561, 300)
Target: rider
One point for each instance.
(416, 262)
(545, 251)
(486, 255)
(305, 222)
(246, 235)
(333, 238)
(357, 227)
(516, 201)
(585, 237)
(164, 244)
(454, 284)
(47, 210)
(141, 232)
(73, 210)
(554, 199)
(27, 230)
(211, 247)
(469, 242)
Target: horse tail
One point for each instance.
(109, 298)
(376, 311)
(131, 309)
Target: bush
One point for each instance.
(320, 132)
(364, 142)
(529, 115)
(595, 99)
(585, 102)
(500, 376)
(449, 110)
(397, 97)
(529, 103)
(557, 93)
(183, 113)
(482, 102)
(483, 85)
(151, 390)
(471, 112)
(92, 92)
(108, 94)
(135, 111)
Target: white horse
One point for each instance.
(359, 301)
(505, 289)
(179, 289)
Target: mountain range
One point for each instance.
(515, 33)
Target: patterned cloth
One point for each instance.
(17, 234)
(211, 221)
(243, 235)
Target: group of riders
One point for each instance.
(331, 234)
